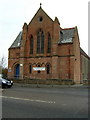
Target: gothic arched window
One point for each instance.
(48, 68)
(40, 42)
(49, 44)
(30, 69)
(31, 44)
(39, 70)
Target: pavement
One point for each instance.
(47, 86)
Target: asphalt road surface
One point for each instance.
(23, 102)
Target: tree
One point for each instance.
(3, 67)
(4, 72)
(3, 62)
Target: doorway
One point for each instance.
(17, 70)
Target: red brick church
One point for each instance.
(43, 50)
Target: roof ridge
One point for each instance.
(84, 53)
(68, 28)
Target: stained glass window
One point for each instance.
(49, 44)
(40, 42)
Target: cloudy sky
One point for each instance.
(13, 14)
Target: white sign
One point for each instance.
(21, 64)
(39, 68)
(9, 70)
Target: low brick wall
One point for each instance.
(46, 82)
(86, 82)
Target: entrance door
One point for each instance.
(17, 71)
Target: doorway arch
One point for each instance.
(17, 70)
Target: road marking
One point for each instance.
(50, 102)
(64, 104)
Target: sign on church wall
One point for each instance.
(39, 68)
(9, 70)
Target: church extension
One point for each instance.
(45, 51)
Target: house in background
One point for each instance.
(43, 50)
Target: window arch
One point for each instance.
(48, 66)
(30, 69)
(49, 44)
(38, 64)
(31, 44)
(40, 41)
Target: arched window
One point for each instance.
(49, 44)
(30, 69)
(31, 45)
(40, 42)
(39, 70)
(48, 68)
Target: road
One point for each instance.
(23, 102)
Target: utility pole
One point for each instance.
(0, 71)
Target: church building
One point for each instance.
(43, 50)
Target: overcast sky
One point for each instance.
(13, 14)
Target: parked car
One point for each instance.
(4, 83)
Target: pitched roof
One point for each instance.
(65, 38)
(66, 35)
(17, 41)
(40, 9)
(83, 53)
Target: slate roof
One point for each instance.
(83, 53)
(17, 41)
(66, 35)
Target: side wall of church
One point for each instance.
(76, 47)
(66, 61)
(13, 59)
(85, 64)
